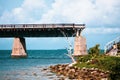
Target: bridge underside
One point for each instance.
(37, 32)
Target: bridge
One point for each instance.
(113, 47)
(19, 31)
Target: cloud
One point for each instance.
(94, 13)
(83, 11)
(102, 30)
(28, 12)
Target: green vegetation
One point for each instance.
(94, 50)
(97, 60)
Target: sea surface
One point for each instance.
(30, 68)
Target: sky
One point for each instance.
(101, 17)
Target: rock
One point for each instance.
(34, 74)
(96, 69)
(49, 75)
(101, 74)
(92, 68)
(44, 69)
(84, 68)
(70, 65)
(26, 73)
(104, 79)
(8, 79)
(77, 73)
(62, 78)
(51, 78)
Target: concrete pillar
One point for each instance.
(19, 48)
(80, 47)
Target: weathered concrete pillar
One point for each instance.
(80, 47)
(19, 48)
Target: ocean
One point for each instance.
(30, 68)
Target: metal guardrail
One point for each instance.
(110, 44)
(41, 25)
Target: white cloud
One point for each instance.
(33, 4)
(94, 13)
(28, 12)
(101, 30)
(99, 13)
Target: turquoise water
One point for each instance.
(35, 58)
(13, 68)
(30, 68)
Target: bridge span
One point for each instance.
(19, 31)
(39, 30)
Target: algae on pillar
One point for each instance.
(19, 47)
(80, 47)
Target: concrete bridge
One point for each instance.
(19, 31)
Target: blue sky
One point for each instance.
(100, 16)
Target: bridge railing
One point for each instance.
(110, 44)
(41, 25)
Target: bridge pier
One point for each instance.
(19, 47)
(80, 47)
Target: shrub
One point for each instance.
(94, 50)
(101, 61)
(84, 58)
(115, 69)
(106, 63)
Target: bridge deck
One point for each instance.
(39, 30)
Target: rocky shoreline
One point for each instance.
(74, 73)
